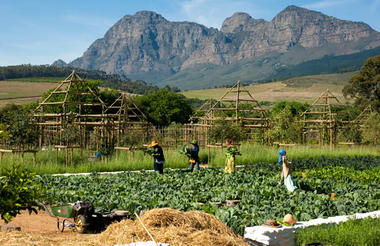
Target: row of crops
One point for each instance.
(355, 182)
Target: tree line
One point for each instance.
(113, 81)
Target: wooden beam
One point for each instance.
(233, 100)
(242, 110)
(255, 126)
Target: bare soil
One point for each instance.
(41, 229)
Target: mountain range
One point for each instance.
(297, 41)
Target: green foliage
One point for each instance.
(295, 108)
(107, 147)
(196, 103)
(285, 127)
(70, 135)
(18, 191)
(21, 131)
(132, 139)
(353, 232)
(257, 188)
(371, 128)
(108, 96)
(223, 130)
(4, 135)
(366, 84)
(355, 162)
(184, 150)
(81, 87)
(163, 107)
(351, 133)
(339, 173)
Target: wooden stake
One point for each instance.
(150, 235)
(67, 156)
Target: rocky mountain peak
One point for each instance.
(59, 63)
(146, 45)
(149, 15)
(141, 18)
(293, 14)
(240, 22)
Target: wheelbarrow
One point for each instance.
(81, 216)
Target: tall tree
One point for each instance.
(365, 86)
(163, 107)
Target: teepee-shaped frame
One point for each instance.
(126, 116)
(243, 108)
(73, 85)
(236, 105)
(125, 109)
(320, 115)
(72, 97)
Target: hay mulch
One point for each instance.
(18, 238)
(173, 227)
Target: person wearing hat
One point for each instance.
(158, 157)
(231, 152)
(286, 177)
(194, 155)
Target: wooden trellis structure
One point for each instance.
(320, 117)
(71, 103)
(236, 105)
(127, 116)
(363, 116)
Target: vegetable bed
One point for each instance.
(353, 232)
(256, 186)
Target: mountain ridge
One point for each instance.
(149, 47)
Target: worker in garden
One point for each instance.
(231, 152)
(286, 176)
(194, 155)
(158, 156)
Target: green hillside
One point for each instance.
(270, 68)
(302, 89)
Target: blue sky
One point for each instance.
(42, 31)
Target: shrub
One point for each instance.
(18, 191)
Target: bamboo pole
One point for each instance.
(150, 235)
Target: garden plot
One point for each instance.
(257, 189)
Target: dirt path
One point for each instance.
(41, 230)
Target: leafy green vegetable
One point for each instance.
(261, 197)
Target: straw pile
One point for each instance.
(173, 227)
(17, 238)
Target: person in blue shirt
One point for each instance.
(98, 155)
(194, 155)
